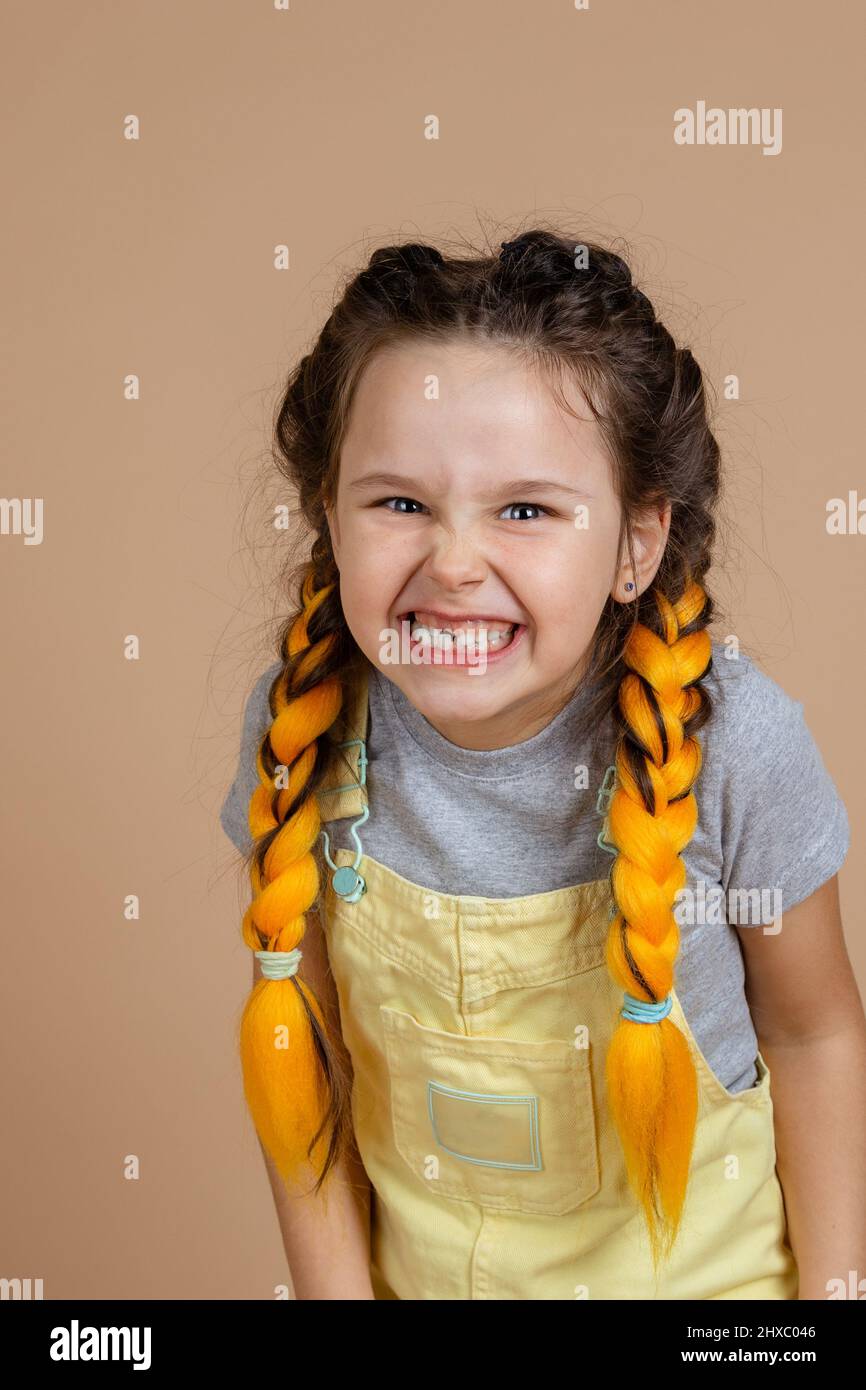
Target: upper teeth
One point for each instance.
(465, 627)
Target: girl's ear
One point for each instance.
(649, 535)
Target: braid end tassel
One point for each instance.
(283, 1083)
(652, 1096)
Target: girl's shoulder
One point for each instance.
(756, 725)
(256, 722)
(234, 812)
(750, 709)
(765, 794)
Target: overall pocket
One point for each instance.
(502, 1123)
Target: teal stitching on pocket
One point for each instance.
(488, 1097)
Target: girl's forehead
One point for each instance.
(425, 399)
(461, 359)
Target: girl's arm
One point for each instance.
(811, 1030)
(326, 1238)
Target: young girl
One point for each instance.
(500, 1004)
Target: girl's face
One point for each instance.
(465, 491)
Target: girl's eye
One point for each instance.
(523, 506)
(385, 502)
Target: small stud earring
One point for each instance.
(629, 585)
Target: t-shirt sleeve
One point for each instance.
(234, 814)
(784, 824)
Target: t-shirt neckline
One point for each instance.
(563, 735)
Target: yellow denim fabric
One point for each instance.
(478, 1030)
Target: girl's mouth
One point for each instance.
(469, 642)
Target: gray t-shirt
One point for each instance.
(509, 822)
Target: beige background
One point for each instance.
(261, 127)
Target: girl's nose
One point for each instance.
(453, 559)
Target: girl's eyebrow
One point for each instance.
(523, 486)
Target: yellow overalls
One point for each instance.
(478, 1029)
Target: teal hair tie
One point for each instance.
(279, 965)
(642, 1011)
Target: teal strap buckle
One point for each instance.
(346, 882)
(602, 805)
(642, 1011)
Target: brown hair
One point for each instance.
(569, 306)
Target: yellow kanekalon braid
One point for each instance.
(283, 1078)
(651, 1080)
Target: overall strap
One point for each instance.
(343, 791)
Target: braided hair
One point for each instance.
(571, 305)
